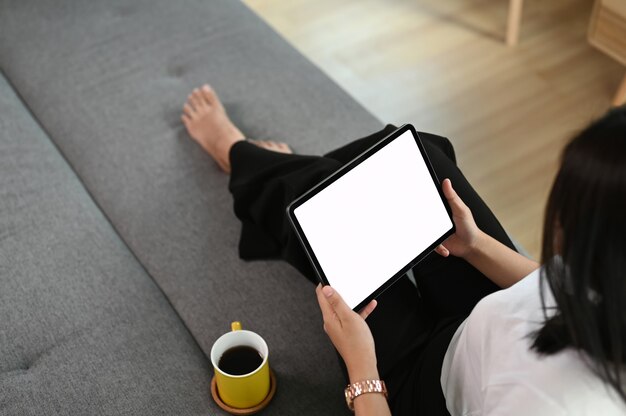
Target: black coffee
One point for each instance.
(240, 360)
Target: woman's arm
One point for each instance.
(352, 337)
(499, 263)
(353, 340)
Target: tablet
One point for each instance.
(371, 221)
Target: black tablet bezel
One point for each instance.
(336, 176)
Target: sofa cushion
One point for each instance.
(107, 81)
(83, 328)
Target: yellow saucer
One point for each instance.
(250, 410)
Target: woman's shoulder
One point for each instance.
(561, 383)
(522, 298)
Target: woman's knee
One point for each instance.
(441, 143)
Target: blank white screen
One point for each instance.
(374, 220)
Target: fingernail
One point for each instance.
(328, 291)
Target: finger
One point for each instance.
(335, 300)
(456, 203)
(369, 308)
(442, 250)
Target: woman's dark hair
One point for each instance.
(584, 251)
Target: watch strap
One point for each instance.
(358, 388)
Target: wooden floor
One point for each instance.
(443, 66)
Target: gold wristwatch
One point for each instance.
(354, 390)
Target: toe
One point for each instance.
(191, 102)
(189, 111)
(196, 100)
(211, 97)
(186, 120)
(208, 93)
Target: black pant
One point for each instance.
(411, 326)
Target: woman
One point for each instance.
(553, 342)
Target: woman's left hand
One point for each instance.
(348, 331)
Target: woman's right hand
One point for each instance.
(463, 241)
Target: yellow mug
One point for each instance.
(246, 390)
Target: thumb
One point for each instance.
(336, 302)
(442, 250)
(456, 204)
(368, 309)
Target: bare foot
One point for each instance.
(273, 146)
(208, 124)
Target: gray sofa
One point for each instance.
(118, 247)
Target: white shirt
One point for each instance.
(489, 368)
